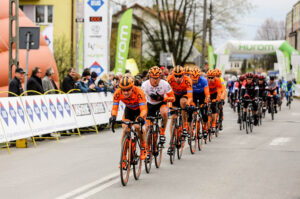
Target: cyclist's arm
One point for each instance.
(170, 97)
(142, 104)
(189, 91)
(116, 100)
(207, 94)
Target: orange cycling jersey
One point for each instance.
(215, 87)
(184, 88)
(136, 101)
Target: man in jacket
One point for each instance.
(35, 82)
(48, 83)
(15, 85)
(69, 82)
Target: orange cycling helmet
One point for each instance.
(178, 70)
(195, 75)
(187, 70)
(155, 71)
(126, 82)
(218, 72)
(211, 73)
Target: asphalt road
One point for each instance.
(264, 164)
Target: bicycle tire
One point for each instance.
(137, 166)
(148, 160)
(193, 137)
(251, 120)
(199, 137)
(158, 149)
(173, 145)
(124, 172)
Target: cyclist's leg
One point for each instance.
(183, 102)
(245, 104)
(255, 112)
(164, 114)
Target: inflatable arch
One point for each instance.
(41, 57)
(283, 50)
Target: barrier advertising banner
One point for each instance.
(38, 113)
(13, 119)
(82, 110)
(96, 38)
(98, 107)
(60, 112)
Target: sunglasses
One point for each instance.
(155, 78)
(249, 78)
(210, 77)
(126, 90)
(178, 76)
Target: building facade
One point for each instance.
(292, 26)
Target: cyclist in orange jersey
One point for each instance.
(223, 96)
(183, 90)
(136, 109)
(215, 91)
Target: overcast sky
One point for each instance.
(277, 9)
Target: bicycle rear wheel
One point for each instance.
(179, 146)
(148, 160)
(137, 162)
(125, 162)
(157, 153)
(199, 136)
(251, 120)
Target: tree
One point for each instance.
(244, 66)
(271, 30)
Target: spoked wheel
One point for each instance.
(179, 146)
(148, 160)
(137, 162)
(251, 121)
(247, 124)
(290, 102)
(193, 137)
(173, 142)
(272, 112)
(157, 151)
(125, 161)
(199, 137)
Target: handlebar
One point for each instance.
(128, 123)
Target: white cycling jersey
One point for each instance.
(160, 90)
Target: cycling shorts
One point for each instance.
(177, 100)
(130, 114)
(154, 108)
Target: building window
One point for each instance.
(50, 14)
(40, 14)
(134, 40)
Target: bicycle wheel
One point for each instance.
(251, 120)
(137, 162)
(157, 151)
(125, 162)
(173, 144)
(179, 145)
(199, 136)
(193, 136)
(290, 102)
(247, 122)
(148, 160)
(272, 111)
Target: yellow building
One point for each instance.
(57, 13)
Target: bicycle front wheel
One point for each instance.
(173, 145)
(136, 161)
(193, 136)
(157, 151)
(148, 160)
(125, 160)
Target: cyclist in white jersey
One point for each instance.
(158, 92)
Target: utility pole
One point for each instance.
(13, 39)
(210, 23)
(204, 35)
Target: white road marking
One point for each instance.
(279, 141)
(88, 186)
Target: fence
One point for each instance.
(23, 117)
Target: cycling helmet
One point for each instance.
(155, 71)
(249, 75)
(233, 78)
(261, 77)
(211, 73)
(126, 82)
(187, 70)
(256, 76)
(195, 74)
(242, 78)
(178, 70)
(218, 72)
(272, 77)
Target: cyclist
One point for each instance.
(273, 90)
(201, 94)
(187, 71)
(215, 91)
(136, 109)
(223, 95)
(262, 90)
(289, 91)
(183, 90)
(232, 90)
(158, 92)
(238, 96)
(250, 90)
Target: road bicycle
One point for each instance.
(196, 137)
(130, 153)
(154, 147)
(249, 116)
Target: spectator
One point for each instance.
(86, 74)
(128, 72)
(101, 87)
(48, 82)
(110, 85)
(93, 78)
(15, 85)
(35, 82)
(69, 83)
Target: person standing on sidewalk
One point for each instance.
(15, 85)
